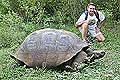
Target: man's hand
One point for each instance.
(97, 30)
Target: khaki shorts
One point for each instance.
(91, 32)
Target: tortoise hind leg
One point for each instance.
(19, 63)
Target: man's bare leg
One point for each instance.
(84, 31)
(100, 37)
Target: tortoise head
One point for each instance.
(97, 55)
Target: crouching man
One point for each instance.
(90, 22)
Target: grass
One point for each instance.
(107, 68)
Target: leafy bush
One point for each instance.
(13, 30)
(65, 11)
(10, 31)
(36, 11)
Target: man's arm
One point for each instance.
(102, 20)
(101, 23)
(78, 24)
(81, 20)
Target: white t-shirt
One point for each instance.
(91, 26)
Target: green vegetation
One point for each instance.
(18, 18)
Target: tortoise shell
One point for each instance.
(49, 47)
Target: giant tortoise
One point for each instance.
(54, 49)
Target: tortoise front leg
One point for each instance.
(80, 60)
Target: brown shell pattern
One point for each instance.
(50, 46)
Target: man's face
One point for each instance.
(91, 9)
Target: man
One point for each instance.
(90, 23)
